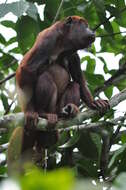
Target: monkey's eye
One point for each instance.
(68, 20)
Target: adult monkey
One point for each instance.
(49, 77)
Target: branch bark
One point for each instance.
(12, 120)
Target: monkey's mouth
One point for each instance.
(88, 44)
(90, 40)
(91, 37)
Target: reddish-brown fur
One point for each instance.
(44, 76)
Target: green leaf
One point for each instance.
(121, 85)
(27, 30)
(17, 8)
(37, 180)
(123, 138)
(120, 4)
(63, 138)
(11, 41)
(37, 1)
(116, 155)
(73, 140)
(2, 39)
(105, 65)
(108, 92)
(4, 138)
(87, 167)
(8, 24)
(5, 61)
(87, 147)
(3, 9)
(113, 10)
(90, 14)
(32, 11)
(3, 170)
(120, 182)
(121, 14)
(99, 5)
(50, 10)
(15, 50)
(108, 27)
(4, 101)
(91, 64)
(94, 80)
(97, 141)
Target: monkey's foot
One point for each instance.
(70, 110)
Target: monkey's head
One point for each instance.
(77, 33)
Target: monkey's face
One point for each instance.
(78, 34)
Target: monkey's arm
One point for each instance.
(77, 75)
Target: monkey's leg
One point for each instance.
(70, 100)
(46, 97)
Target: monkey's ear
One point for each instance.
(68, 20)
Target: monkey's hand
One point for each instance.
(31, 120)
(52, 118)
(100, 105)
(70, 110)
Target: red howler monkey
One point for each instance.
(50, 77)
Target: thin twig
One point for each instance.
(9, 107)
(5, 1)
(115, 79)
(113, 34)
(115, 135)
(7, 78)
(14, 61)
(58, 11)
(107, 19)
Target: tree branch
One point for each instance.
(115, 79)
(95, 127)
(7, 78)
(112, 34)
(12, 120)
